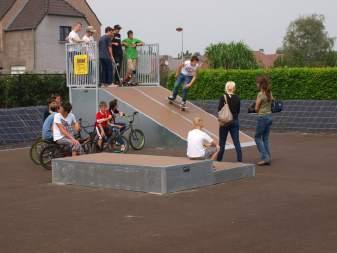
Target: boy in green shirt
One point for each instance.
(131, 45)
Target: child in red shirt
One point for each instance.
(102, 119)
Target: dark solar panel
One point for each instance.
(298, 115)
(20, 125)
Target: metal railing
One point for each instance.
(82, 65)
(148, 65)
(82, 62)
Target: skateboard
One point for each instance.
(177, 103)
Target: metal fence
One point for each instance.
(148, 65)
(82, 68)
(82, 65)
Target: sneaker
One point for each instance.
(171, 98)
(183, 104)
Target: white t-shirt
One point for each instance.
(196, 140)
(74, 37)
(66, 122)
(88, 39)
(188, 69)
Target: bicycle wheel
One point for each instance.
(36, 149)
(116, 147)
(137, 139)
(49, 153)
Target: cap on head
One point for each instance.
(117, 27)
(91, 29)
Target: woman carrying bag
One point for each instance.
(229, 109)
(263, 108)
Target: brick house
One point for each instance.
(33, 32)
(265, 60)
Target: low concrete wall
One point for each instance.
(23, 125)
(298, 115)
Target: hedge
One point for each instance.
(30, 89)
(287, 83)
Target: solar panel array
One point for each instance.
(298, 115)
(23, 125)
(20, 125)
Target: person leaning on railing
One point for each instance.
(131, 44)
(74, 37)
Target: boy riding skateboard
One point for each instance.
(186, 74)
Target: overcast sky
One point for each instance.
(259, 23)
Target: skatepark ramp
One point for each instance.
(164, 124)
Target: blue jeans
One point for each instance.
(182, 79)
(105, 71)
(234, 130)
(263, 126)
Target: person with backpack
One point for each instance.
(263, 108)
(229, 109)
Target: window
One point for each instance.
(18, 70)
(64, 32)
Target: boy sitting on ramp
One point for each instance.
(186, 74)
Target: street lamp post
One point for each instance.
(181, 30)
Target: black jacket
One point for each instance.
(234, 104)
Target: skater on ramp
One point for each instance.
(186, 75)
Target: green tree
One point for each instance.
(187, 54)
(307, 43)
(231, 56)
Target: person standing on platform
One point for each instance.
(117, 50)
(88, 38)
(106, 57)
(234, 127)
(264, 120)
(89, 35)
(74, 36)
(131, 45)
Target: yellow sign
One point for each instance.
(81, 66)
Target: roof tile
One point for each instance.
(35, 10)
(5, 5)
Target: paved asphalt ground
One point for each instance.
(289, 207)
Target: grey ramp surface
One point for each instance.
(143, 173)
(153, 174)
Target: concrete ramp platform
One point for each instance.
(152, 174)
(153, 103)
